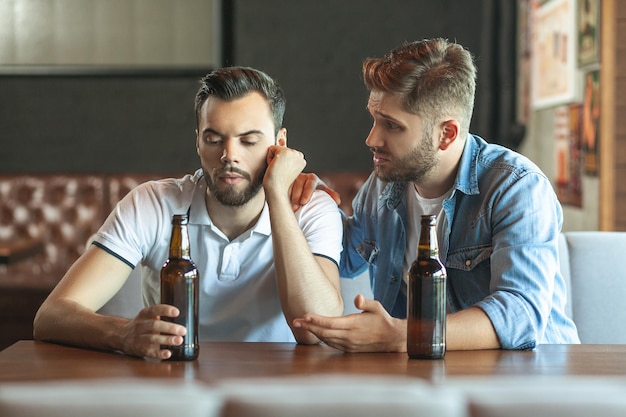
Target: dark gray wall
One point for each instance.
(98, 123)
(107, 122)
(315, 50)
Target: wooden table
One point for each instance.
(29, 360)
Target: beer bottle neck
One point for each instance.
(427, 252)
(427, 246)
(179, 243)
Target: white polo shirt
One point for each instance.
(238, 293)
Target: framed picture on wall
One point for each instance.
(568, 151)
(561, 145)
(554, 53)
(574, 184)
(588, 32)
(591, 121)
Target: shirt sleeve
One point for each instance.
(357, 251)
(141, 221)
(124, 231)
(526, 221)
(320, 222)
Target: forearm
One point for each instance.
(304, 286)
(470, 329)
(67, 322)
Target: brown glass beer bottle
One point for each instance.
(179, 288)
(426, 297)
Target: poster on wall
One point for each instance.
(561, 146)
(588, 32)
(567, 140)
(591, 121)
(554, 53)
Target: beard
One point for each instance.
(229, 196)
(413, 167)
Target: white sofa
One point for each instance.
(596, 286)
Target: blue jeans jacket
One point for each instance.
(504, 221)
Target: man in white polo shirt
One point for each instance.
(261, 264)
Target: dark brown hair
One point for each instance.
(230, 83)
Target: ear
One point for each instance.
(449, 133)
(281, 138)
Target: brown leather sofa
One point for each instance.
(62, 212)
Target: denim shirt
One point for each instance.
(503, 222)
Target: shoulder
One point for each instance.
(320, 202)
(482, 161)
(173, 186)
(173, 193)
(321, 212)
(495, 156)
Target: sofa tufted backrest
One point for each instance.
(64, 210)
(60, 210)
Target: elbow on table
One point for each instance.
(304, 337)
(38, 326)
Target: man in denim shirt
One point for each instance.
(498, 216)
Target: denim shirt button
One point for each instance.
(393, 279)
(468, 262)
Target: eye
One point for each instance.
(391, 126)
(387, 124)
(212, 139)
(249, 140)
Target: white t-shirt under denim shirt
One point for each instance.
(238, 293)
(418, 206)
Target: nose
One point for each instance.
(229, 153)
(373, 139)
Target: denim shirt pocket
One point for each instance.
(469, 275)
(368, 251)
(466, 259)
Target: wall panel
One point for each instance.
(99, 122)
(315, 50)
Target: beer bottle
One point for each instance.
(179, 288)
(426, 296)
